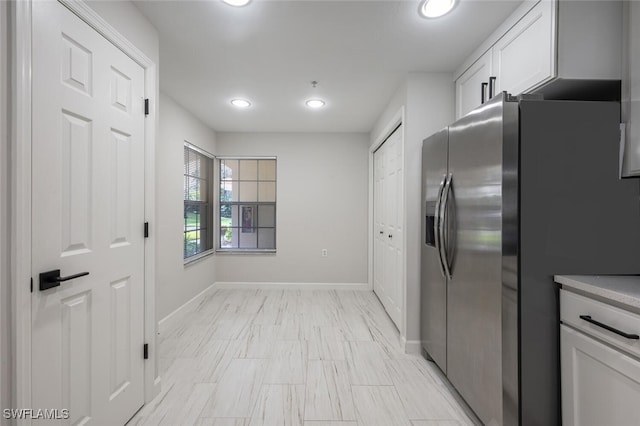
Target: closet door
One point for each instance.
(388, 230)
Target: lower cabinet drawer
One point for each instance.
(600, 385)
(596, 316)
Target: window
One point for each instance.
(198, 198)
(247, 204)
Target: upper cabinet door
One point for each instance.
(469, 86)
(631, 92)
(524, 57)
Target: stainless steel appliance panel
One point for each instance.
(474, 308)
(433, 293)
(510, 265)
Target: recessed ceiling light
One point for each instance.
(241, 103)
(436, 8)
(237, 3)
(315, 103)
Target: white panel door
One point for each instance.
(600, 385)
(379, 236)
(388, 229)
(522, 58)
(469, 86)
(88, 214)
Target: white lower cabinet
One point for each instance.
(600, 382)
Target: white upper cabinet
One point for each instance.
(631, 91)
(546, 46)
(516, 57)
(524, 56)
(472, 86)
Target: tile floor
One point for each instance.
(295, 357)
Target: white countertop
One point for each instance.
(623, 289)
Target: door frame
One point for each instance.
(397, 119)
(21, 194)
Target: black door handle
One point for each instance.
(492, 88)
(483, 94)
(588, 318)
(52, 279)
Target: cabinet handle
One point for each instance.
(588, 318)
(483, 92)
(492, 86)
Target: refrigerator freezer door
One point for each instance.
(433, 311)
(474, 310)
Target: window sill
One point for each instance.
(245, 251)
(198, 257)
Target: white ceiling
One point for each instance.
(270, 51)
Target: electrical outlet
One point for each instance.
(325, 253)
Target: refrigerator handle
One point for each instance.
(443, 219)
(483, 92)
(436, 226)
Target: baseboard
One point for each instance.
(175, 317)
(292, 286)
(413, 347)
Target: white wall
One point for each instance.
(397, 101)
(4, 213)
(322, 201)
(177, 283)
(429, 106)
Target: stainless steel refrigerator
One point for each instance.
(514, 193)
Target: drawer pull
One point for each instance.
(588, 318)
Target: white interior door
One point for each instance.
(88, 214)
(388, 229)
(379, 229)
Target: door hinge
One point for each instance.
(146, 107)
(145, 351)
(146, 229)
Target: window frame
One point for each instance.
(238, 250)
(211, 193)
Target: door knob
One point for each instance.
(52, 279)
